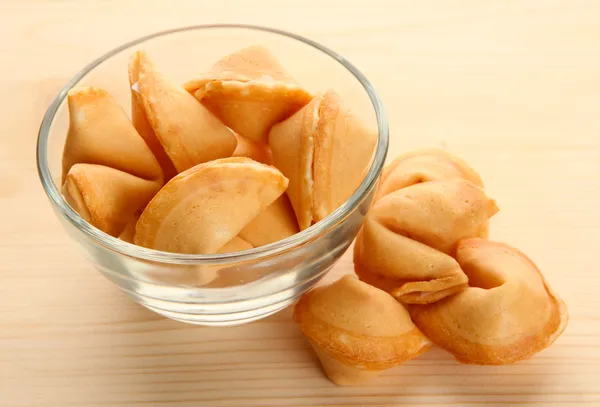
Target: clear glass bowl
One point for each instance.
(230, 288)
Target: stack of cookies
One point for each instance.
(428, 275)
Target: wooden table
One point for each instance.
(512, 87)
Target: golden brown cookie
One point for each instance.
(107, 198)
(357, 330)
(274, 223)
(249, 91)
(343, 150)
(129, 231)
(292, 149)
(203, 208)
(325, 152)
(422, 166)
(141, 123)
(100, 133)
(237, 244)
(187, 131)
(508, 313)
(256, 150)
(409, 236)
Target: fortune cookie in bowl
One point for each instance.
(237, 244)
(357, 330)
(107, 198)
(508, 313)
(109, 173)
(140, 121)
(422, 166)
(406, 244)
(249, 91)
(252, 149)
(187, 131)
(276, 222)
(100, 133)
(324, 151)
(203, 208)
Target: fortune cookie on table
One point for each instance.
(249, 91)
(187, 131)
(357, 330)
(422, 166)
(107, 198)
(109, 173)
(507, 314)
(324, 151)
(406, 243)
(100, 133)
(203, 208)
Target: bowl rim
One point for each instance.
(289, 243)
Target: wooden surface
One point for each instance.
(513, 87)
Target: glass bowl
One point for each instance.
(233, 288)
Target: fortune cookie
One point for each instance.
(203, 208)
(249, 91)
(274, 223)
(237, 244)
(100, 133)
(256, 150)
(129, 230)
(422, 166)
(357, 330)
(199, 275)
(109, 173)
(508, 313)
(231, 276)
(406, 244)
(292, 149)
(206, 276)
(187, 131)
(324, 151)
(107, 198)
(141, 123)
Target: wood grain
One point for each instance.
(513, 87)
